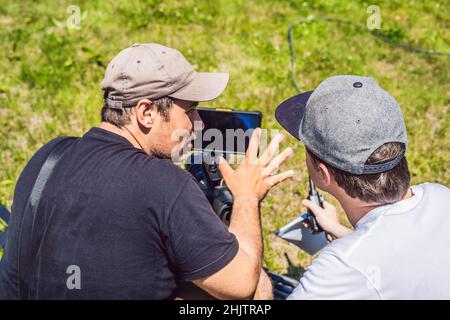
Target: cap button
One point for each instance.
(357, 84)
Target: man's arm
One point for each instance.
(264, 290)
(249, 184)
(189, 291)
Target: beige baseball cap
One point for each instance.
(151, 70)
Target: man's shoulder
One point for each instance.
(352, 251)
(341, 248)
(165, 169)
(37, 160)
(163, 174)
(47, 148)
(385, 224)
(434, 189)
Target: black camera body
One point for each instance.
(203, 167)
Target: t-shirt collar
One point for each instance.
(103, 134)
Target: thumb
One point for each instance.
(317, 210)
(224, 168)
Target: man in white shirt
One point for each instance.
(355, 139)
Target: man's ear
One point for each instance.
(146, 113)
(326, 174)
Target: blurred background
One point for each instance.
(54, 54)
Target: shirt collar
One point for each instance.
(106, 135)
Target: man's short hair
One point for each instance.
(386, 187)
(122, 117)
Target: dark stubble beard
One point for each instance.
(158, 151)
(160, 154)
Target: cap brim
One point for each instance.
(205, 86)
(290, 113)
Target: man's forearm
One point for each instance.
(245, 224)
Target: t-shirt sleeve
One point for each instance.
(329, 277)
(199, 243)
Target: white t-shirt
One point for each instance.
(397, 251)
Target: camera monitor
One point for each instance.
(226, 131)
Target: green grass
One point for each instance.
(50, 75)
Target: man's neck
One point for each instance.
(127, 134)
(355, 209)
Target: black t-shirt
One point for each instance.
(135, 226)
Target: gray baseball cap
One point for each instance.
(151, 70)
(344, 120)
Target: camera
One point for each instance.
(203, 167)
(225, 132)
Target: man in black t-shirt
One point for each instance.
(118, 219)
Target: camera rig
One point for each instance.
(203, 166)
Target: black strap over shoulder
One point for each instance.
(4, 215)
(25, 256)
